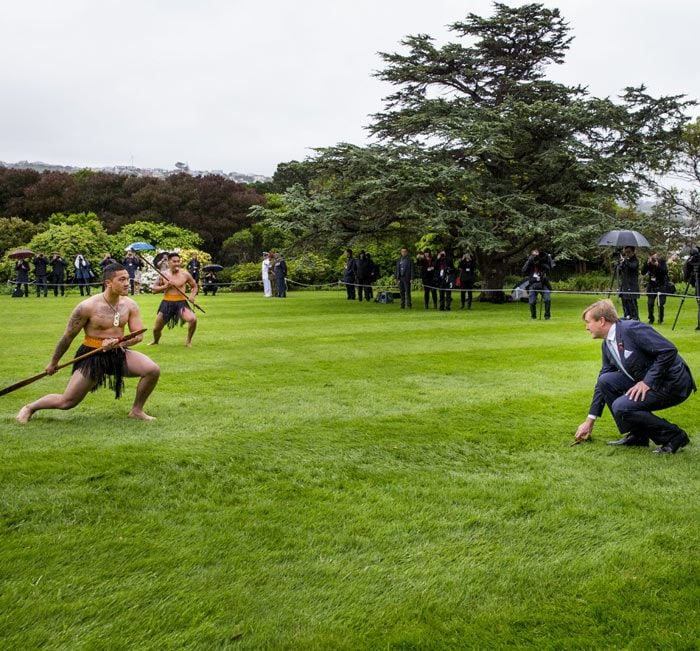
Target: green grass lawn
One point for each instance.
(325, 474)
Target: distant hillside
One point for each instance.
(128, 170)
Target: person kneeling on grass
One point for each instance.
(642, 372)
(102, 317)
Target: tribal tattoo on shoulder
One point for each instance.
(76, 322)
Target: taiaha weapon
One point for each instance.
(34, 378)
(137, 247)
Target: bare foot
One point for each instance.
(153, 343)
(24, 414)
(188, 344)
(139, 414)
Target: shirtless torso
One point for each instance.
(173, 285)
(102, 318)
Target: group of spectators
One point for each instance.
(359, 274)
(440, 276)
(56, 273)
(658, 284)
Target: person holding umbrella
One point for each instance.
(132, 264)
(628, 269)
(210, 284)
(22, 269)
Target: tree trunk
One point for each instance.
(493, 276)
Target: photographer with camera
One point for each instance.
(657, 284)
(537, 268)
(628, 270)
(690, 275)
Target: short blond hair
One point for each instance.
(603, 309)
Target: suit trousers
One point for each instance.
(405, 291)
(635, 416)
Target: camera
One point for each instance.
(691, 267)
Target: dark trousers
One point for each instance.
(281, 286)
(58, 283)
(445, 299)
(83, 284)
(546, 295)
(651, 301)
(629, 307)
(427, 293)
(466, 294)
(350, 289)
(364, 289)
(41, 283)
(635, 416)
(405, 291)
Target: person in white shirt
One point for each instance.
(267, 285)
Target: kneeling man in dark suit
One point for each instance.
(642, 372)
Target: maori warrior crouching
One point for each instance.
(102, 318)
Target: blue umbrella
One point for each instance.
(140, 246)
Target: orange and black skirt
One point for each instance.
(171, 308)
(105, 369)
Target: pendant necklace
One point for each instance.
(116, 311)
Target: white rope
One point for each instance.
(341, 283)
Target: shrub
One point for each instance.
(311, 269)
(593, 281)
(245, 277)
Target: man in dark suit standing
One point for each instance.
(628, 268)
(642, 372)
(404, 274)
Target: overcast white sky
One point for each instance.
(242, 85)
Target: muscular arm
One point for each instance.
(76, 323)
(135, 323)
(194, 289)
(160, 285)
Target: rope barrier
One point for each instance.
(341, 283)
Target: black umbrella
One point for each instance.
(623, 238)
(212, 267)
(20, 254)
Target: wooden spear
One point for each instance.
(164, 277)
(34, 378)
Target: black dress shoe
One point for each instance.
(673, 445)
(631, 439)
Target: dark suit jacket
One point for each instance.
(404, 268)
(648, 356)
